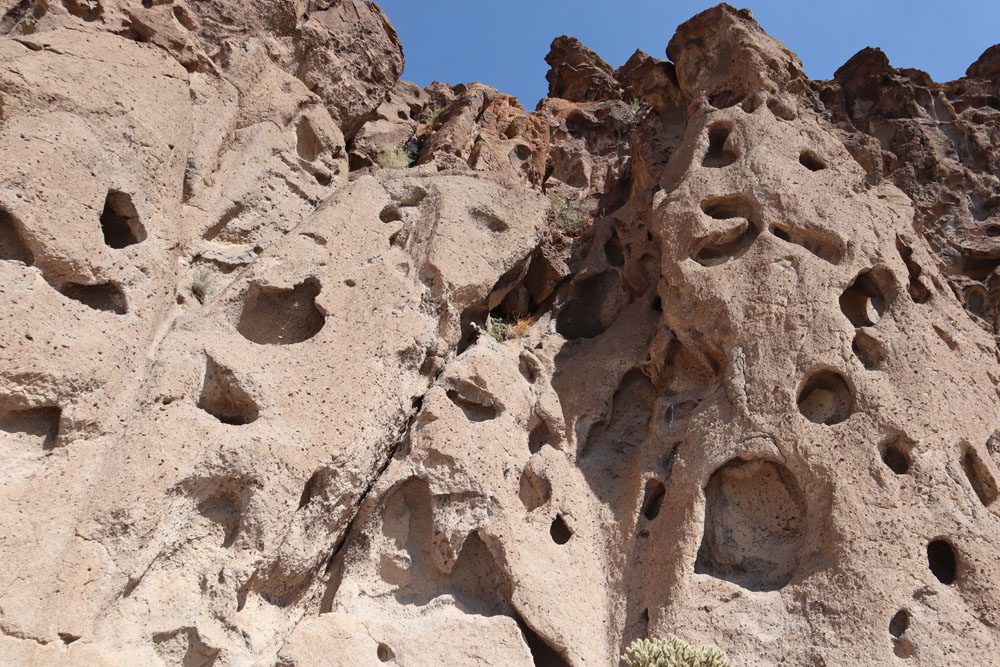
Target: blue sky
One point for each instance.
(503, 42)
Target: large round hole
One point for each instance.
(278, 316)
(826, 398)
(942, 561)
(864, 301)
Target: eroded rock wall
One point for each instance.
(306, 365)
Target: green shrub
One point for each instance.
(672, 651)
(636, 104)
(393, 157)
(435, 115)
(497, 328)
(566, 215)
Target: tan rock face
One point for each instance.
(304, 365)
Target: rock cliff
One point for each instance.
(303, 364)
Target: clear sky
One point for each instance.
(503, 42)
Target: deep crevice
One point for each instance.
(120, 221)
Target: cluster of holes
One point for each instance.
(120, 227)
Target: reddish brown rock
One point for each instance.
(578, 74)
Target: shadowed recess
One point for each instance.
(754, 525)
(826, 398)
(278, 316)
(120, 221)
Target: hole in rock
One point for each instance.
(868, 350)
(718, 154)
(731, 242)
(828, 248)
(223, 398)
(977, 302)
(313, 485)
(221, 509)
(811, 161)
(942, 561)
(653, 499)
(979, 475)
(390, 213)
(307, 144)
(864, 301)
(105, 296)
(732, 206)
(896, 457)
(31, 427)
(899, 623)
(534, 490)
(408, 195)
(278, 316)
(522, 151)
(68, 637)
(826, 398)
(724, 99)
(593, 306)
(780, 110)
(613, 251)
(559, 531)
(384, 653)
(184, 647)
(617, 438)
(120, 221)
(540, 436)
(916, 288)
(542, 653)
(479, 408)
(754, 525)
(12, 244)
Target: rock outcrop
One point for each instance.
(306, 365)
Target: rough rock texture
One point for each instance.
(306, 365)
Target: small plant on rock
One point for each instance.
(672, 651)
(502, 330)
(435, 115)
(636, 104)
(566, 215)
(393, 157)
(201, 284)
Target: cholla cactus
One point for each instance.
(672, 651)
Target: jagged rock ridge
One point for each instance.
(306, 365)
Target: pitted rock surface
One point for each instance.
(303, 364)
